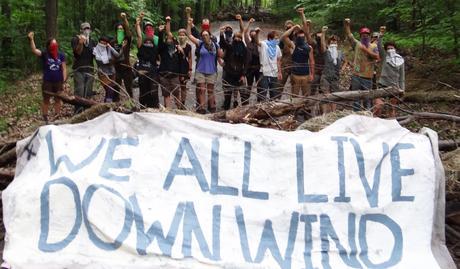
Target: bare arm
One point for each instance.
(380, 41)
(240, 20)
(126, 25)
(113, 51)
(168, 26)
(306, 26)
(285, 36)
(194, 40)
(280, 71)
(33, 48)
(370, 52)
(257, 37)
(323, 39)
(247, 38)
(311, 61)
(348, 32)
(139, 31)
(64, 71)
(79, 48)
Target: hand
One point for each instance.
(190, 21)
(31, 35)
(308, 22)
(142, 15)
(82, 39)
(125, 43)
(180, 49)
(242, 79)
(324, 29)
(188, 10)
(383, 29)
(301, 10)
(280, 76)
(252, 20)
(161, 28)
(108, 45)
(347, 21)
(258, 30)
(238, 17)
(138, 20)
(311, 77)
(123, 15)
(297, 27)
(168, 18)
(222, 29)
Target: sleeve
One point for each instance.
(161, 43)
(278, 52)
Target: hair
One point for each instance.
(238, 35)
(104, 38)
(332, 38)
(271, 35)
(203, 31)
(389, 43)
(182, 30)
(288, 22)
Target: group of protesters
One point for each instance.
(311, 61)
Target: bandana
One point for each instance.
(149, 31)
(120, 36)
(271, 48)
(334, 53)
(206, 27)
(394, 59)
(87, 34)
(54, 49)
(366, 41)
(239, 49)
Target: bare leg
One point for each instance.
(211, 98)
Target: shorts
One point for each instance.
(300, 85)
(169, 84)
(205, 78)
(54, 87)
(329, 86)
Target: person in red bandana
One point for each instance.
(54, 73)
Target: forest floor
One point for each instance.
(431, 87)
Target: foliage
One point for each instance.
(417, 24)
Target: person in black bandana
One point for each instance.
(124, 74)
(235, 53)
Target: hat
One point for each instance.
(375, 34)
(85, 25)
(364, 30)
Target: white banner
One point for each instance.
(151, 190)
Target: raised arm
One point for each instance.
(285, 36)
(193, 30)
(126, 25)
(323, 39)
(311, 61)
(306, 25)
(240, 20)
(257, 36)
(138, 30)
(222, 40)
(247, 38)
(194, 40)
(33, 48)
(348, 33)
(161, 37)
(380, 41)
(168, 26)
(113, 51)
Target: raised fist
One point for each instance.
(31, 35)
(123, 15)
(238, 17)
(324, 29)
(161, 28)
(308, 22)
(301, 10)
(190, 21)
(188, 10)
(168, 18)
(252, 20)
(347, 21)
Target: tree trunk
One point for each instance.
(6, 40)
(198, 15)
(51, 12)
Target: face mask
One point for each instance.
(120, 36)
(103, 45)
(365, 41)
(391, 52)
(87, 33)
(53, 49)
(228, 34)
(205, 27)
(333, 51)
(149, 31)
(182, 40)
(300, 41)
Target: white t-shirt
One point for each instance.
(268, 67)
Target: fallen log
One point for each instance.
(73, 100)
(280, 108)
(8, 157)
